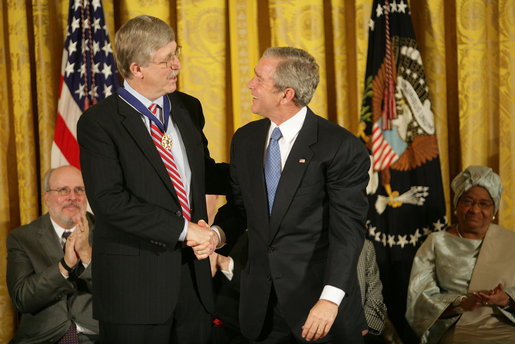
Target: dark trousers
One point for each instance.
(277, 331)
(189, 324)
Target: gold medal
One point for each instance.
(166, 142)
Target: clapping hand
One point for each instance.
(81, 233)
(494, 297)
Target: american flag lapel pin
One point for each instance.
(302, 161)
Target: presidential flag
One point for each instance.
(397, 126)
(88, 75)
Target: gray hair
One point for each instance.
(137, 41)
(46, 179)
(478, 176)
(297, 70)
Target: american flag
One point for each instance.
(88, 75)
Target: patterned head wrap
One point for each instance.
(478, 176)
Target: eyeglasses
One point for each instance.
(169, 62)
(467, 202)
(66, 191)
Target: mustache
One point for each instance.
(174, 73)
(74, 204)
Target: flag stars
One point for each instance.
(379, 10)
(77, 4)
(402, 241)
(80, 91)
(439, 226)
(82, 70)
(72, 47)
(106, 70)
(96, 47)
(96, 4)
(383, 239)
(75, 24)
(69, 69)
(414, 237)
(391, 240)
(96, 24)
(401, 7)
(371, 24)
(393, 7)
(108, 90)
(107, 49)
(93, 92)
(95, 68)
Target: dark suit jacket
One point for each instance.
(136, 256)
(45, 300)
(316, 230)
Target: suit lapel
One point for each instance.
(49, 241)
(134, 124)
(298, 160)
(256, 144)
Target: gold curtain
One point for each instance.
(468, 49)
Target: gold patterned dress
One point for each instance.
(447, 267)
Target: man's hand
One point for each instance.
(202, 239)
(320, 319)
(82, 247)
(212, 262)
(70, 256)
(222, 262)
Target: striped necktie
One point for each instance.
(64, 238)
(171, 167)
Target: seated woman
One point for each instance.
(462, 283)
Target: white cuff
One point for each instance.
(229, 274)
(332, 294)
(215, 228)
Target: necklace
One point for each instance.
(458, 230)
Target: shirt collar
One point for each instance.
(292, 126)
(60, 230)
(144, 100)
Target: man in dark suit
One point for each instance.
(50, 290)
(300, 182)
(147, 169)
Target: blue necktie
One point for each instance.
(273, 166)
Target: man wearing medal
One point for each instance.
(146, 170)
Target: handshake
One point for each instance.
(202, 239)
